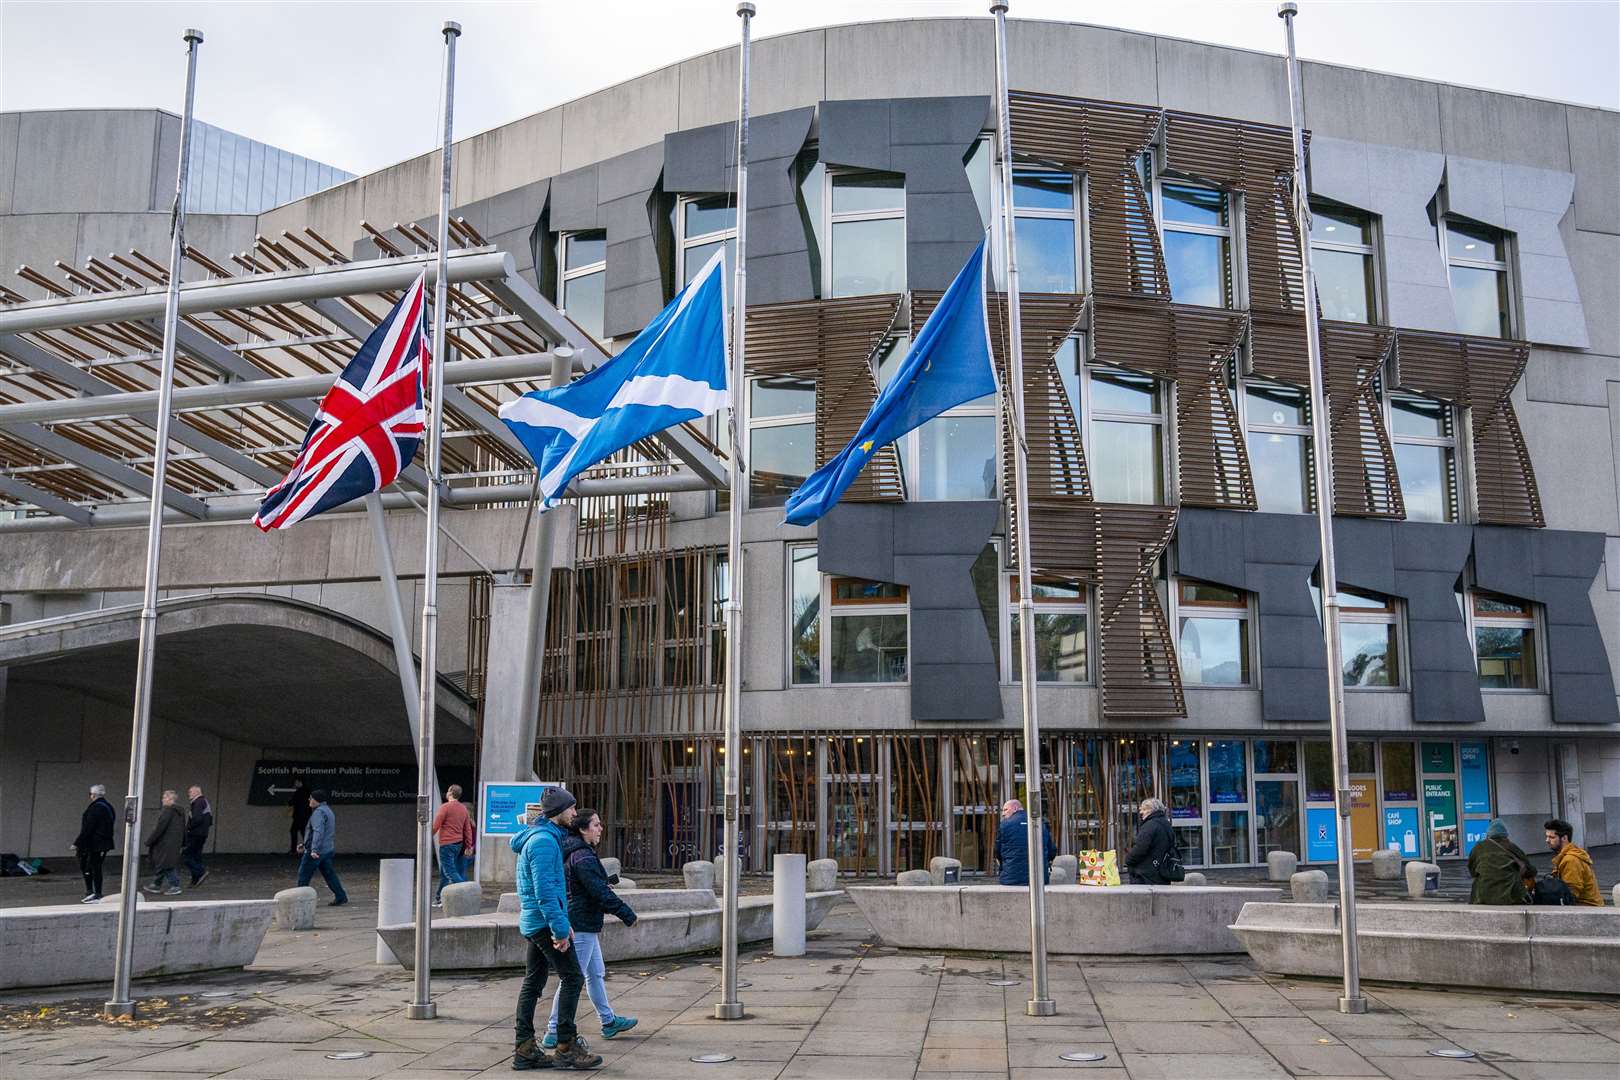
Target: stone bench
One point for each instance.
(72, 943)
(1080, 919)
(1556, 950)
(644, 901)
(492, 940)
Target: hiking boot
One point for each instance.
(618, 1026)
(576, 1055)
(550, 1041)
(529, 1056)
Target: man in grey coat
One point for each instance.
(163, 843)
(320, 842)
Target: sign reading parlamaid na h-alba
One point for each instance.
(347, 782)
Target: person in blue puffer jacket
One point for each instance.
(543, 921)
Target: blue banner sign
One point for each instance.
(502, 808)
(1321, 834)
(1401, 831)
(1476, 783)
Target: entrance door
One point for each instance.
(1569, 789)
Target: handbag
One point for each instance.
(1099, 867)
(1169, 865)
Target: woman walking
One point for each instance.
(590, 898)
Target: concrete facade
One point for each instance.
(911, 96)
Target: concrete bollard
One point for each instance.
(295, 909)
(508, 902)
(1309, 887)
(1617, 895)
(1280, 865)
(821, 875)
(1194, 878)
(1059, 875)
(937, 867)
(1065, 870)
(914, 877)
(624, 884)
(1417, 874)
(1386, 864)
(396, 900)
(787, 905)
(699, 874)
(611, 867)
(462, 898)
(720, 876)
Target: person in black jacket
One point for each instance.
(95, 840)
(590, 899)
(197, 829)
(1153, 839)
(300, 814)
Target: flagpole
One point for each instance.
(1322, 473)
(1040, 1000)
(422, 1007)
(121, 1004)
(729, 1007)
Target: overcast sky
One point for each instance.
(355, 84)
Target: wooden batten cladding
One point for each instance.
(1117, 547)
(1478, 374)
(834, 342)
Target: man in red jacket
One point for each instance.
(451, 826)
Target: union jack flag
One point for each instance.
(369, 423)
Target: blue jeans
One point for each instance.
(452, 868)
(192, 857)
(306, 870)
(589, 948)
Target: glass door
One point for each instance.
(1228, 786)
(1321, 818)
(1276, 796)
(1398, 768)
(1440, 800)
(1187, 799)
(1473, 765)
(1364, 834)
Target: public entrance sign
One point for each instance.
(1440, 812)
(349, 783)
(502, 805)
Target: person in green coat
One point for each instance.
(1501, 870)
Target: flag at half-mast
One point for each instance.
(948, 364)
(674, 371)
(369, 424)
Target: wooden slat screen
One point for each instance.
(1365, 483)
(1478, 374)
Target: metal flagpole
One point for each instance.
(422, 1007)
(121, 1003)
(729, 1007)
(1040, 1000)
(1352, 1001)
(397, 628)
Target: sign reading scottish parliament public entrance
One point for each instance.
(348, 782)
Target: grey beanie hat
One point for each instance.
(555, 801)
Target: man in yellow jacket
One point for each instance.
(1571, 864)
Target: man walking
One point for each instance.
(95, 839)
(197, 829)
(543, 920)
(451, 828)
(318, 846)
(1012, 845)
(163, 844)
(1571, 864)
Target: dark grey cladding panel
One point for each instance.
(1555, 568)
(930, 548)
(700, 161)
(926, 140)
(573, 200)
(1428, 560)
(626, 191)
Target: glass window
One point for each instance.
(1042, 190)
(956, 458)
(1213, 638)
(1476, 256)
(1048, 237)
(1400, 772)
(1424, 436)
(1276, 756)
(584, 280)
(869, 649)
(805, 632)
(1186, 789)
(1369, 654)
(1277, 420)
(867, 234)
(1504, 642)
(781, 437)
(1060, 631)
(1342, 256)
(1126, 451)
(1276, 816)
(1318, 770)
(1228, 772)
(1229, 837)
(1197, 243)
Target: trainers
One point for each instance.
(438, 903)
(338, 903)
(529, 1056)
(577, 1056)
(149, 888)
(173, 890)
(550, 1041)
(89, 898)
(618, 1026)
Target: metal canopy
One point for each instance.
(259, 342)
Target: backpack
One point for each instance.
(1169, 865)
(1552, 892)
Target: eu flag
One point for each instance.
(949, 364)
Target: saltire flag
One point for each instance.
(675, 370)
(368, 425)
(948, 364)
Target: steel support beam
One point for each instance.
(259, 290)
(70, 513)
(125, 476)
